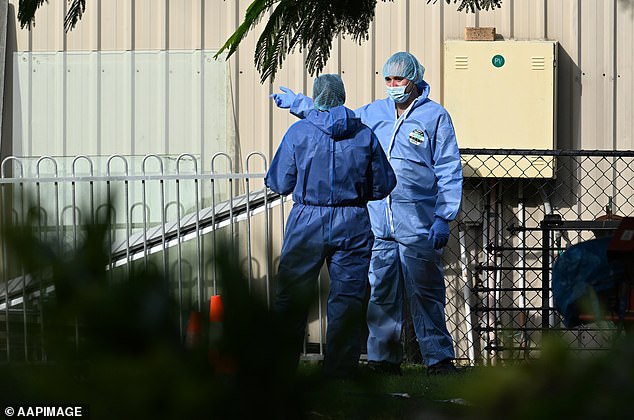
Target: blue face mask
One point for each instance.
(397, 93)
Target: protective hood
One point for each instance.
(423, 88)
(338, 122)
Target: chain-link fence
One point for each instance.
(499, 259)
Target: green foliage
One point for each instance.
(311, 26)
(113, 343)
(74, 14)
(560, 384)
(27, 9)
(473, 5)
(26, 12)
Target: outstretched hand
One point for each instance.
(439, 233)
(284, 100)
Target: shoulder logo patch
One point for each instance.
(416, 137)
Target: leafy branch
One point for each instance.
(311, 25)
(27, 9)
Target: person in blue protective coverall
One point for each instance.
(333, 164)
(411, 226)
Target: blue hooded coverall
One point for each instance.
(333, 164)
(422, 149)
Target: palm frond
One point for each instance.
(74, 14)
(351, 17)
(311, 25)
(278, 38)
(473, 5)
(252, 17)
(26, 12)
(27, 9)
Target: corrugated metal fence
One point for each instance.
(169, 214)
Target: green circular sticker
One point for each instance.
(497, 60)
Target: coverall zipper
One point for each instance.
(390, 218)
(397, 125)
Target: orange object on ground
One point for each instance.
(223, 363)
(215, 309)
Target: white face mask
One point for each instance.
(397, 93)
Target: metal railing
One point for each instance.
(166, 214)
(169, 212)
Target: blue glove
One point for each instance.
(439, 233)
(284, 100)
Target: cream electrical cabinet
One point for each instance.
(502, 95)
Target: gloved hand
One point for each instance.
(439, 233)
(284, 100)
